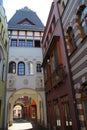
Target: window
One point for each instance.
(58, 120)
(30, 68)
(37, 43)
(84, 20)
(14, 42)
(56, 58)
(63, 4)
(53, 63)
(54, 21)
(26, 24)
(85, 108)
(39, 69)
(45, 72)
(22, 43)
(21, 68)
(12, 67)
(71, 40)
(67, 114)
(29, 43)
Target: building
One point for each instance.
(3, 62)
(75, 31)
(61, 113)
(25, 74)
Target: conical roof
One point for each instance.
(25, 19)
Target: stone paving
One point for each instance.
(26, 125)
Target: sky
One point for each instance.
(41, 7)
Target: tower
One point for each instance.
(25, 74)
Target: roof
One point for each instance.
(25, 19)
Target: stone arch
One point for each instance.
(26, 92)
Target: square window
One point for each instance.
(13, 42)
(29, 43)
(22, 43)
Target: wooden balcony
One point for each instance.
(55, 78)
(57, 75)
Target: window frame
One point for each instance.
(38, 68)
(21, 43)
(30, 68)
(71, 40)
(37, 43)
(12, 67)
(29, 43)
(83, 19)
(21, 69)
(13, 41)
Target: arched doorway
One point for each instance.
(25, 108)
(25, 103)
(17, 111)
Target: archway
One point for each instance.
(29, 101)
(25, 108)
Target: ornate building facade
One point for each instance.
(74, 21)
(25, 74)
(61, 114)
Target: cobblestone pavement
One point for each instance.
(26, 125)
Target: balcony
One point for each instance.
(51, 44)
(55, 78)
(57, 75)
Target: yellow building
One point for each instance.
(3, 62)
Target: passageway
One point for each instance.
(23, 105)
(20, 124)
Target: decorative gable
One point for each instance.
(26, 22)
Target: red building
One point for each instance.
(61, 114)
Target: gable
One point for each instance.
(26, 22)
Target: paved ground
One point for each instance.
(26, 125)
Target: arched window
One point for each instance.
(84, 20)
(21, 68)
(71, 45)
(12, 67)
(38, 67)
(30, 69)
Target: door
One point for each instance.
(58, 120)
(34, 112)
(66, 111)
